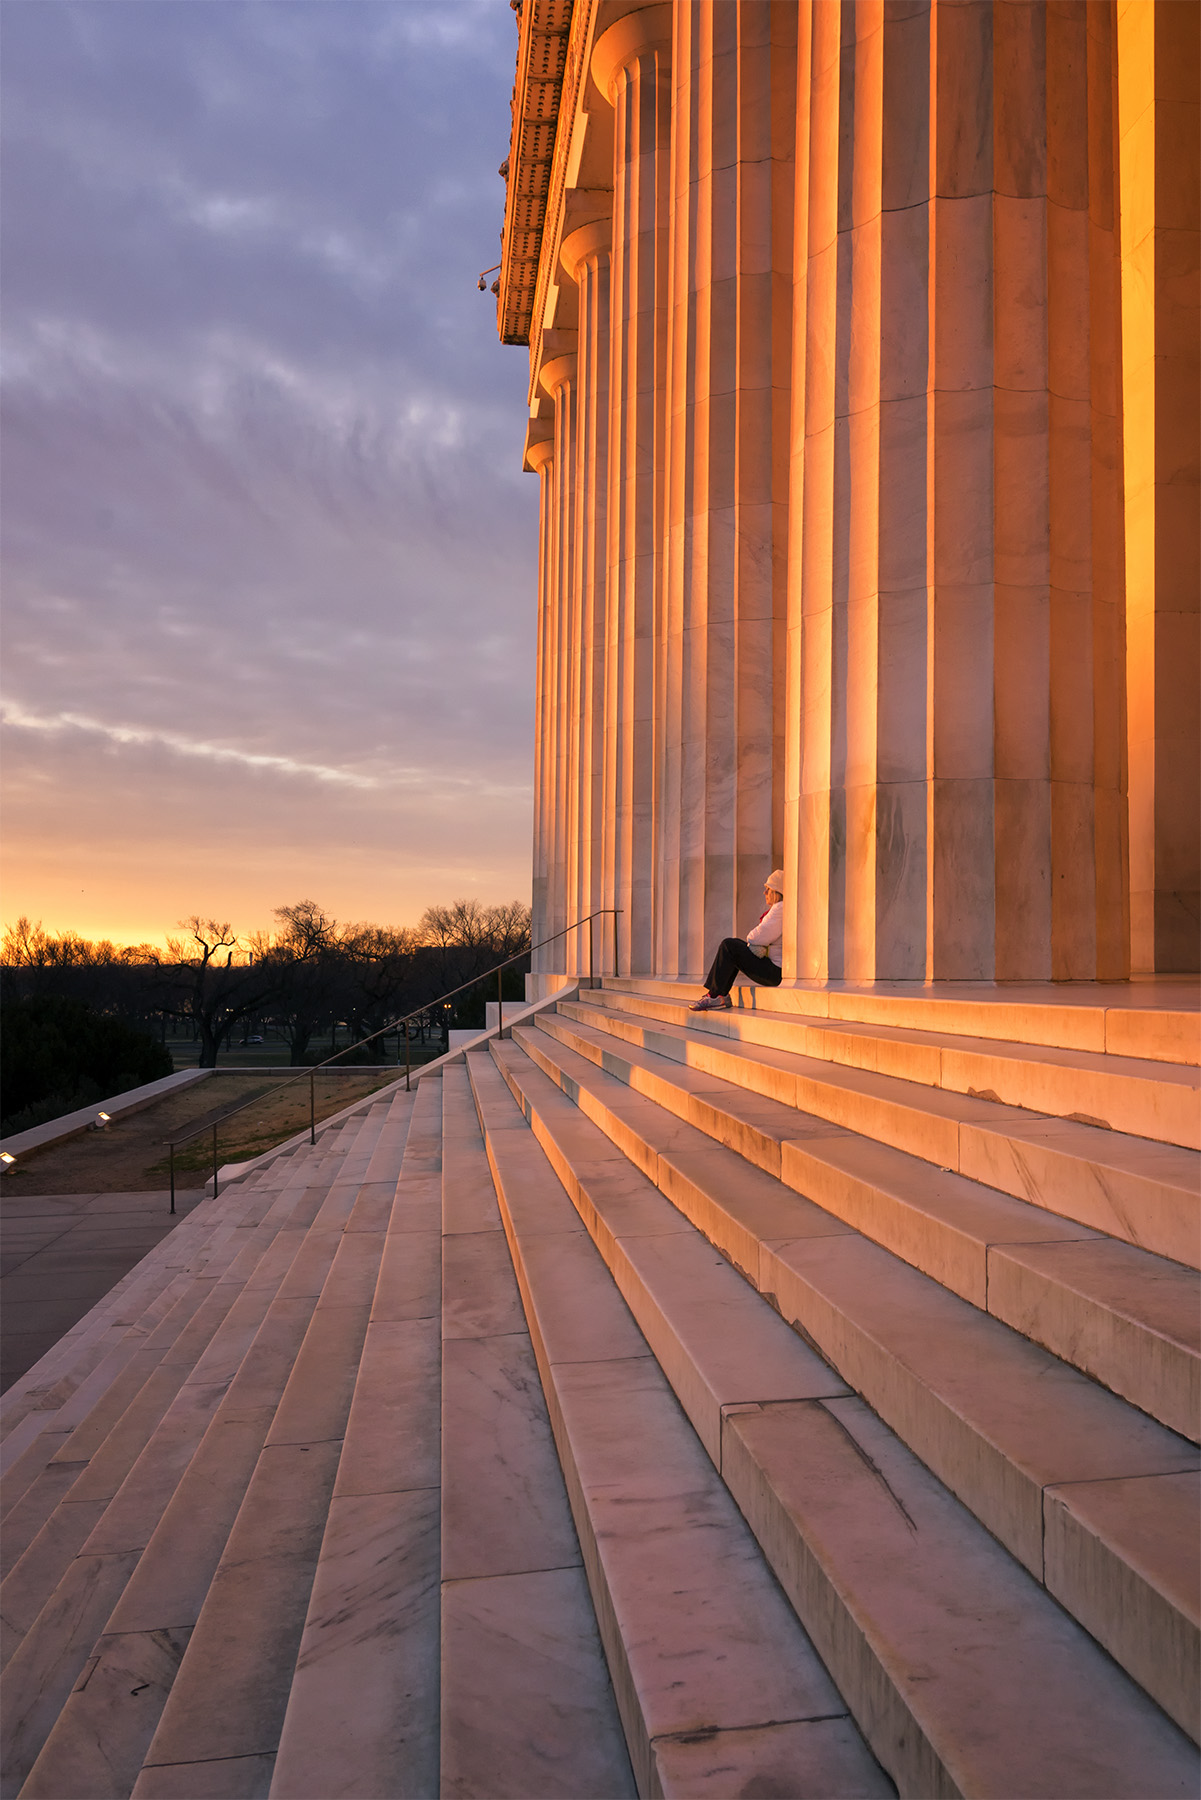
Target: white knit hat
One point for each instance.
(776, 880)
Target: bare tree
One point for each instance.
(31, 946)
(212, 994)
(459, 925)
(471, 939)
(509, 928)
(493, 931)
(382, 975)
(305, 929)
(24, 945)
(304, 954)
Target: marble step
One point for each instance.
(1146, 1193)
(1160, 1101)
(352, 1139)
(51, 1381)
(76, 1389)
(1013, 1432)
(99, 1739)
(348, 1146)
(1124, 1316)
(143, 1571)
(246, 1612)
(204, 1448)
(136, 1305)
(914, 1609)
(102, 1341)
(1101, 1017)
(367, 1129)
(155, 1542)
(362, 1711)
(527, 1706)
(334, 1142)
(720, 1690)
(76, 1355)
(47, 1529)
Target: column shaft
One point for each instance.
(540, 457)
(956, 639)
(721, 634)
(1160, 130)
(586, 259)
(631, 64)
(558, 380)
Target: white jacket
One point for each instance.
(768, 934)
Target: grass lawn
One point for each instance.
(131, 1155)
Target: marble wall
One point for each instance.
(850, 299)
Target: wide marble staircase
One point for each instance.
(799, 1401)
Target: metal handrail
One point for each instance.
(394, 1025)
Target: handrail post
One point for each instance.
(407, 1088)
(615, 968)
(500, 1005)
(591, 981)
(171, 1149)
(313, 1106)
(214, 1162)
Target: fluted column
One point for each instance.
(585, 257)
(540, 458)
(955, 619)
(631, 66)
(557, 379)
(722, 639)
(1160, 130)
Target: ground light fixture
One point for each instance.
(101, 1122)
(6, 1160)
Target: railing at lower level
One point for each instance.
(497, 969)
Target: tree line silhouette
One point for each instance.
(302, 982)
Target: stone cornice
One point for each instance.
(575, 72)
(545, 27)
(549, 98)
(550, 63)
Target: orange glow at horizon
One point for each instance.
(134, 892)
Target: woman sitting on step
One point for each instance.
(758, 955)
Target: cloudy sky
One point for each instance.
(269, 558)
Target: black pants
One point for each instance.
(736, 957)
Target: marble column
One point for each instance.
(557, 380)
(720, 643)
(956, 781)
(1160, 127)
(631, 68)
(585, 259)
(540, 459)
